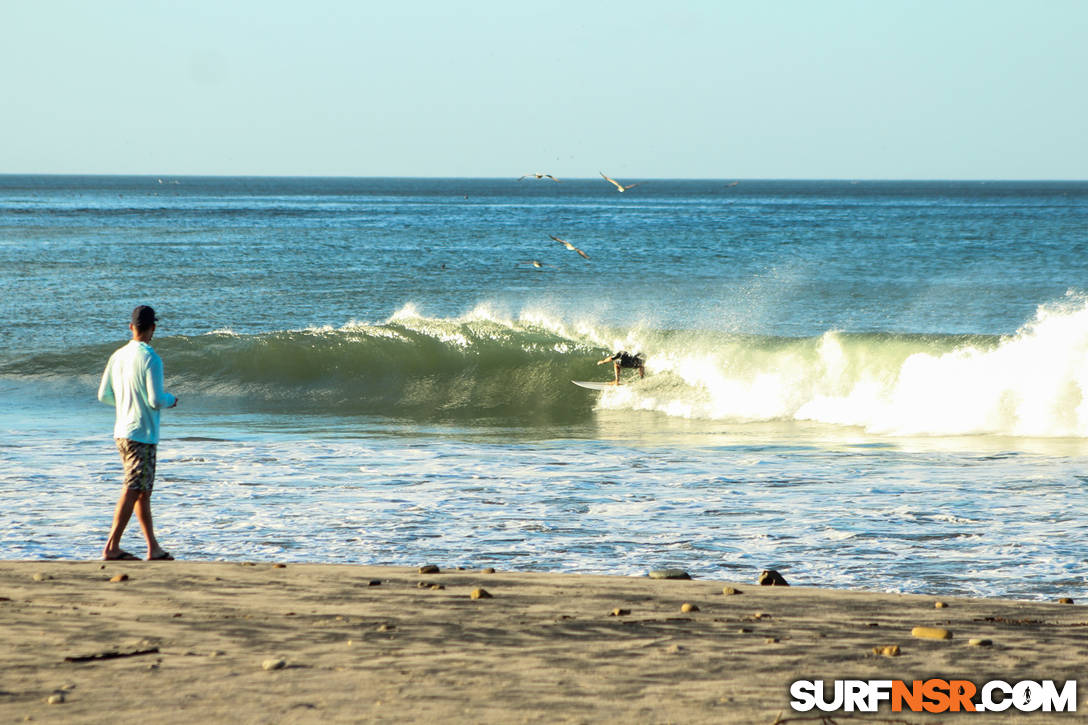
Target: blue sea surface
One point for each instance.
(877, 385)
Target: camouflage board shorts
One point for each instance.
(138, 460)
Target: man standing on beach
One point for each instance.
(133, 384)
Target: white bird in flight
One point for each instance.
(540, 176)
(569, 246)
(617, 184)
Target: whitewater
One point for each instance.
(871, 385)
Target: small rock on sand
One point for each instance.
(940, 605)
(688, 607)
(375, 583)
(274, 664)
(438, 586)
(119, 578)
(980, 642)
(480, 594)
(41, 577)
(489, 570)
(279, 566)
(56, 698)
(1065, 600)
(669, 574)
(386, 627)
(891, 650)
(728, 591)
(429, 569)
(931, 633)
(771, 578)
(617, 612)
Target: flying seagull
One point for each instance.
(540, 176)
(617, 184)
(569, 246)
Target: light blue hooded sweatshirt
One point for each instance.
(133, 384)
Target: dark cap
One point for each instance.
(143, 317)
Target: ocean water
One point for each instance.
(878, 385)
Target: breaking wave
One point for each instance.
(483, 366)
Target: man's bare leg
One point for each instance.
(121, 515)
(143, 515)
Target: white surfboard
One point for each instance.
(592, 384)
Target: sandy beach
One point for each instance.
(181, 642)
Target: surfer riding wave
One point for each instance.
(624, 359)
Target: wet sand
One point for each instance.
(184, 642)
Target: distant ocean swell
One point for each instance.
(482, 367)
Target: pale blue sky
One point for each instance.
(892, 89)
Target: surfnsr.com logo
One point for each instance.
(934, 695)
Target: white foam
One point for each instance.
(1032, 383)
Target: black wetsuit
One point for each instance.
(627, 360)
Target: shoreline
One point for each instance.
(190, 641)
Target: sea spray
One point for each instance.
(1031, 383)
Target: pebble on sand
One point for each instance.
(375, 583)
(279, 566)
(274, 664)
(489, 570)
(428, 569)
(727, 591)
(940, 605)
(1065, 600)
(617, 612)
(981, 642)
(892, 650)
(119, 578)
(688, 607)
(931, 633)
(438, 586)
(56, 698)
(41, 577)
(669, 574)
(771, 578)
(480, 594)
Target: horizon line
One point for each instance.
(568, 178)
